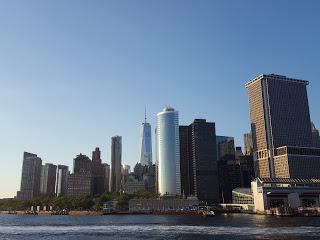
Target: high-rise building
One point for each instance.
(225, 148)
(168, 151)
(80, 182)
(281, 129)
(248, 144)
(30, 177)
(62, 180)
(199, 164)
(115, 172)
(82, 164)
(146, 147)
(106, 169)
(48, 179)
(98, 173)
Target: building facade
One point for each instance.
(280, 121)
(199, 164)
(30, 177)
(168, 152)
(48, 179)
(115, 171)
(98, 173)
(106, 169)
(62, 180)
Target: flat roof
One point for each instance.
(275, 76)
(289, 180)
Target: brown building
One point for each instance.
(281, 129)
(98, 173)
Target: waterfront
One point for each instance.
(223, 227)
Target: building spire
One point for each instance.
(145, 114)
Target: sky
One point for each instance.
(75, 73)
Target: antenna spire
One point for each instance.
(145, 113)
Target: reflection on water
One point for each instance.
(158, 227)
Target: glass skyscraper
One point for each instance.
(168, 152)
(146, 147)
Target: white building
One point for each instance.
(168, 152)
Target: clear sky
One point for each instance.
(75, 73)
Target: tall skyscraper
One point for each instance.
(30, 177)
(115, 172)
(146, 147)
(98, 172)
(48, 179)
(199, 164)
(168, 150)
(62, 180)
(281, 129)
(315, 136)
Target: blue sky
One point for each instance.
(74, 73)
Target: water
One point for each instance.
(235, 227)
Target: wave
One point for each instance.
(159, 230)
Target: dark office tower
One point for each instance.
(281, 129)
(248, 144)
(115, 173)
(106, 169)
(203, 165)
(226, 154)
(48, 179)
(185, 162)
(30, 177)
(98, 172)
(62, 180)
(82, 164)
(225, 148)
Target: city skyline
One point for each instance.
(69, 82)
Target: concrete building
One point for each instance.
(281, 130)
(199, 164)
(271, 193)
(80, 182)
(30, 177)
(79, 185)
(62, 180)
(146, 146)
(133, 184)
(48, 179)
(315, 136)
(248, 144)
(115, 172)
(168, 152)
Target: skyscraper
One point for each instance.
(168, 151)
(146, 147)
(98, 173)
(199, 164)
(80, 183)
(61, 182)
(315, 136)
(115, 170)
(106, 169)
(248, 144)
(30, 177)
(48, 179)
(281, 129)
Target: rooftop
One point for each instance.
(277, 77)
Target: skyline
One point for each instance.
(76, 74)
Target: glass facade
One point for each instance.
(168, 152)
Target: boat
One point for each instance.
(208, 213)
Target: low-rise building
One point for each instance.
(165, 204)
(271, 193)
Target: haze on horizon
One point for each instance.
(75, 73)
